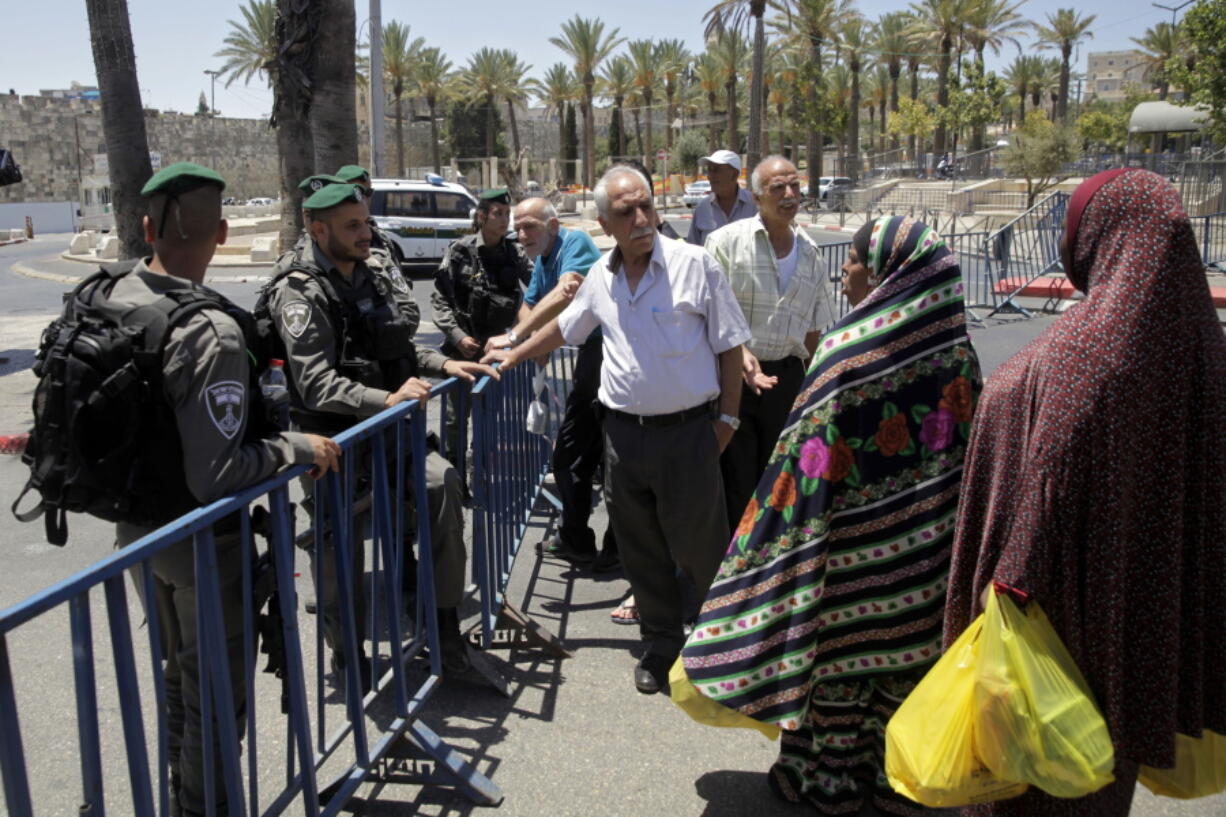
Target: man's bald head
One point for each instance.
(536, 226)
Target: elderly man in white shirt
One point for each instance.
(779, 280)
(669, 390)
(728, 201)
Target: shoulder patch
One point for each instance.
(296, 317)
(225, 401)
(398, 282)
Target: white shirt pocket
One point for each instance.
(679, 329)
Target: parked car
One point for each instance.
(696, 192)
(259, 201)
(837, 187)
(423, 216)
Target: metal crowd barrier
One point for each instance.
(510, 468)
(1210, 233)
(353, 749)
(1021, 252)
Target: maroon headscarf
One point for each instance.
(1096, 476)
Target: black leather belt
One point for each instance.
(665, 420)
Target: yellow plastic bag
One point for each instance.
(709, 712)
(929, 744)
(1037, 721)
(1200, 768)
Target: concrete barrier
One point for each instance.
(109, 247)
(16, 235)
(264, 248)
(80, 244)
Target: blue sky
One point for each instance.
(47, 42)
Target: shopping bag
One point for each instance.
(537, 421)
(1037, 721)
(709, 712)
(1200, 768)
(929, 743)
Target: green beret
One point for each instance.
(180, 178)
(497, 195)
(331, 195)
(352, 173)
(317, 182)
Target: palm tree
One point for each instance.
(123, 119)
(1017, 77)
(786, 70)
(674, 62)
(730, 50)
(644, 65)
(400, 57)
(334, 122)
(1064, 31)
(584, 41)
(251, 46)
(808, 25)
(291, 106)
(432, 82)
(484, 81)
(709, 77)
(1045, 79)
(514, 91)
(854, 37)
(938, 22)
(879, 95)
(891, 44)
(735, 15)
(616, 83)
(992, 23)
(1160, 44)
(557, 89)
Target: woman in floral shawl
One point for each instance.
(827, 608)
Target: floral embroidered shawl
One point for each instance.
(838, 569)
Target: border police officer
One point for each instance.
(207, 382)
(350, 356)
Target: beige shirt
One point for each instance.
(662, 341)
(778, 318)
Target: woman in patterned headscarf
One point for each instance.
(827, 607)
(1096, 482)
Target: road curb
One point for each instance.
(256, 265)
(14, 444)
(8, 241)
(59, 278)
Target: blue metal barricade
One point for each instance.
(1022, 251)
(1210, 233)
(389, 451)
(510, 468)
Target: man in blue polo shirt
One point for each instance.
(563, 257)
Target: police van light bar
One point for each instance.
(435, 179)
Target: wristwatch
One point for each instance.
(733, 422)
(514, 338)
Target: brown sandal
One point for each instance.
(619, 614)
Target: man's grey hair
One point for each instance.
(539, 206)
(755, 178)
(601, 193)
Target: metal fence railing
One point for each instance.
(510, 468)
(1210, 234)
(1020, 252)
(324, 730)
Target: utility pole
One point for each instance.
(213, 75)
(377, 160)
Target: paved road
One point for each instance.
(574, 739)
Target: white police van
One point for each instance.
(424, 217)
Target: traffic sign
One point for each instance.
(661, 155)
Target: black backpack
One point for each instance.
(10, 171)
(104, 440)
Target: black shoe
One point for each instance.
(651, 674)
(559, 548)
(310, 607)
(338, 669)
(607, 561)
(451, 640)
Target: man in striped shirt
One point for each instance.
(779, 280)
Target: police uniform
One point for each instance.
(384, 252)
(477, 287)
(348, 345)
(207, 384)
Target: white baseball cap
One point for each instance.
(724, 157)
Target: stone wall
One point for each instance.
(55, 141)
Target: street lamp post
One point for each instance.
(213, 75)
(1173, 9)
